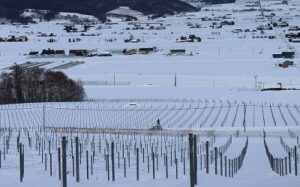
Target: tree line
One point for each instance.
(28, 85)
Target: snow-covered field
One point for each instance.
(213, 91)
(223, 59)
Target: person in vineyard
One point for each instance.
(158, 126)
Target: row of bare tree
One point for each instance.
(24, 85)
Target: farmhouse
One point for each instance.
(48, 52)
(227, 22)
(177, 52)
(70, 28)
(147, 50)
(289, 55)
(78, 52)
(292, 35)
(60, 52)
(296, 40)
(92, 53)
(286, 64)
(131, 40)
(280, 24)
(271, 37)
(33, 53)
(13, 38)
(294, 28)
(105, 54)
(277, 56)
(130, 51)
(190, 38)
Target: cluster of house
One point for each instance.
(13, 38)
(293, 37)
(146, 26)
(294, 28)
(90, 53)
(51, 40)
(286, 64)
(47, 52)
(190, 38)
(194, 25)
(227, 22)
(179, 52)
(131, 39)
(215, 25)
(72, 28)
(280, 23)
(265, 27)
(264, 37)
(144, 51)
(252, 4)
(110, 39)
(241, 30)
(40, 34)
(72, 52)
(74, 40)
(285, 55)
(219, 21)
(149, 28)
(84, 34)
(100, 27)
(217, 18)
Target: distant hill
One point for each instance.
(201, 2)
(218, 1)
(12, 8)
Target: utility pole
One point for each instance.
(192, 164)
(244, 120)
(44, 119)
(64, 161)
(261, 10)
(114, 79)
(255, 79)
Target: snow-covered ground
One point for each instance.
(223, 61)
(125, 122)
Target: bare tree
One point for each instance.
(38, 85)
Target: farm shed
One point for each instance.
(130, 51)
(78, 52)
(147, 50)
(33, 53)
(295, 40)
(177, 52)
(286, 64)
(105, 54)
(277, 56)
(288, 54)
(60, 52)
(48, 52)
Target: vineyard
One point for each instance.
(110, 142)
(143, 113)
